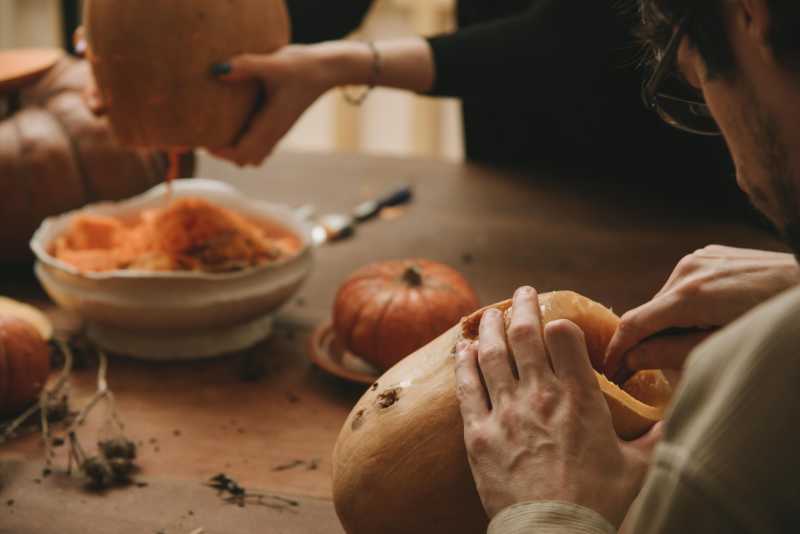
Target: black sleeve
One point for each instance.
(314, 21)
(553, 41)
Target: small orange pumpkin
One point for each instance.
(24, 364)
(387, 310)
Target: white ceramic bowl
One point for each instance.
(179, 314)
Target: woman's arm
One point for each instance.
(553, 45)
(405, 63)
(559, 40)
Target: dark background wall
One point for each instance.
(72, 11)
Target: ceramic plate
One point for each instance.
(329, 354)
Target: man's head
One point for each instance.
(744, 57)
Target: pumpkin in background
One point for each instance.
(400, 463)
(153, 60)
(387, 310)
(24, 364)
(55, 156)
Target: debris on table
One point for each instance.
(233, 493)
(311, 465)
(226, 485)
(291, 465)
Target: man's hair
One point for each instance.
(707, 31)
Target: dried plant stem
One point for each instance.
(114, 462)
(52, 394)
(48, 445)
(76, 452)
(102, 393)
(8, 433)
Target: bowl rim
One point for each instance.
(181, 187)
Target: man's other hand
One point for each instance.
(708, 289)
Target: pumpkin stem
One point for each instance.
(413, 276)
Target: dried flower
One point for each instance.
(118, 448)
(97, 471)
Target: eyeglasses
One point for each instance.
(673, 99)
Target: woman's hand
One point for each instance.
(293, 78)
(542, 432)
(707, 290)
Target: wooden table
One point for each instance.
(613, 242)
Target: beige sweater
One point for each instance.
(730, 458)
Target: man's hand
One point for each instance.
(707, 290)
(540, 429)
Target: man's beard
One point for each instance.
(775, 161)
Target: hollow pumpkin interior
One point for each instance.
(630, 411)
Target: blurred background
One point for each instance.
(389, 123)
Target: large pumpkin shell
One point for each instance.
(400, 465)
(152, 62)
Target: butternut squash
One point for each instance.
(400, 465)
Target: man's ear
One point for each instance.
(753, 18)
(691, 64)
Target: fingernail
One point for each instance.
(461, 346)
(524, 290)
(221, 69)
(492, 313)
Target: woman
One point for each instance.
(541, 81)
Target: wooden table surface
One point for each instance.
(613, 242)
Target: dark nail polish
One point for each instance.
(220, 69)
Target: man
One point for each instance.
(541, 446)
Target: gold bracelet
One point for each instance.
(377, 67)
